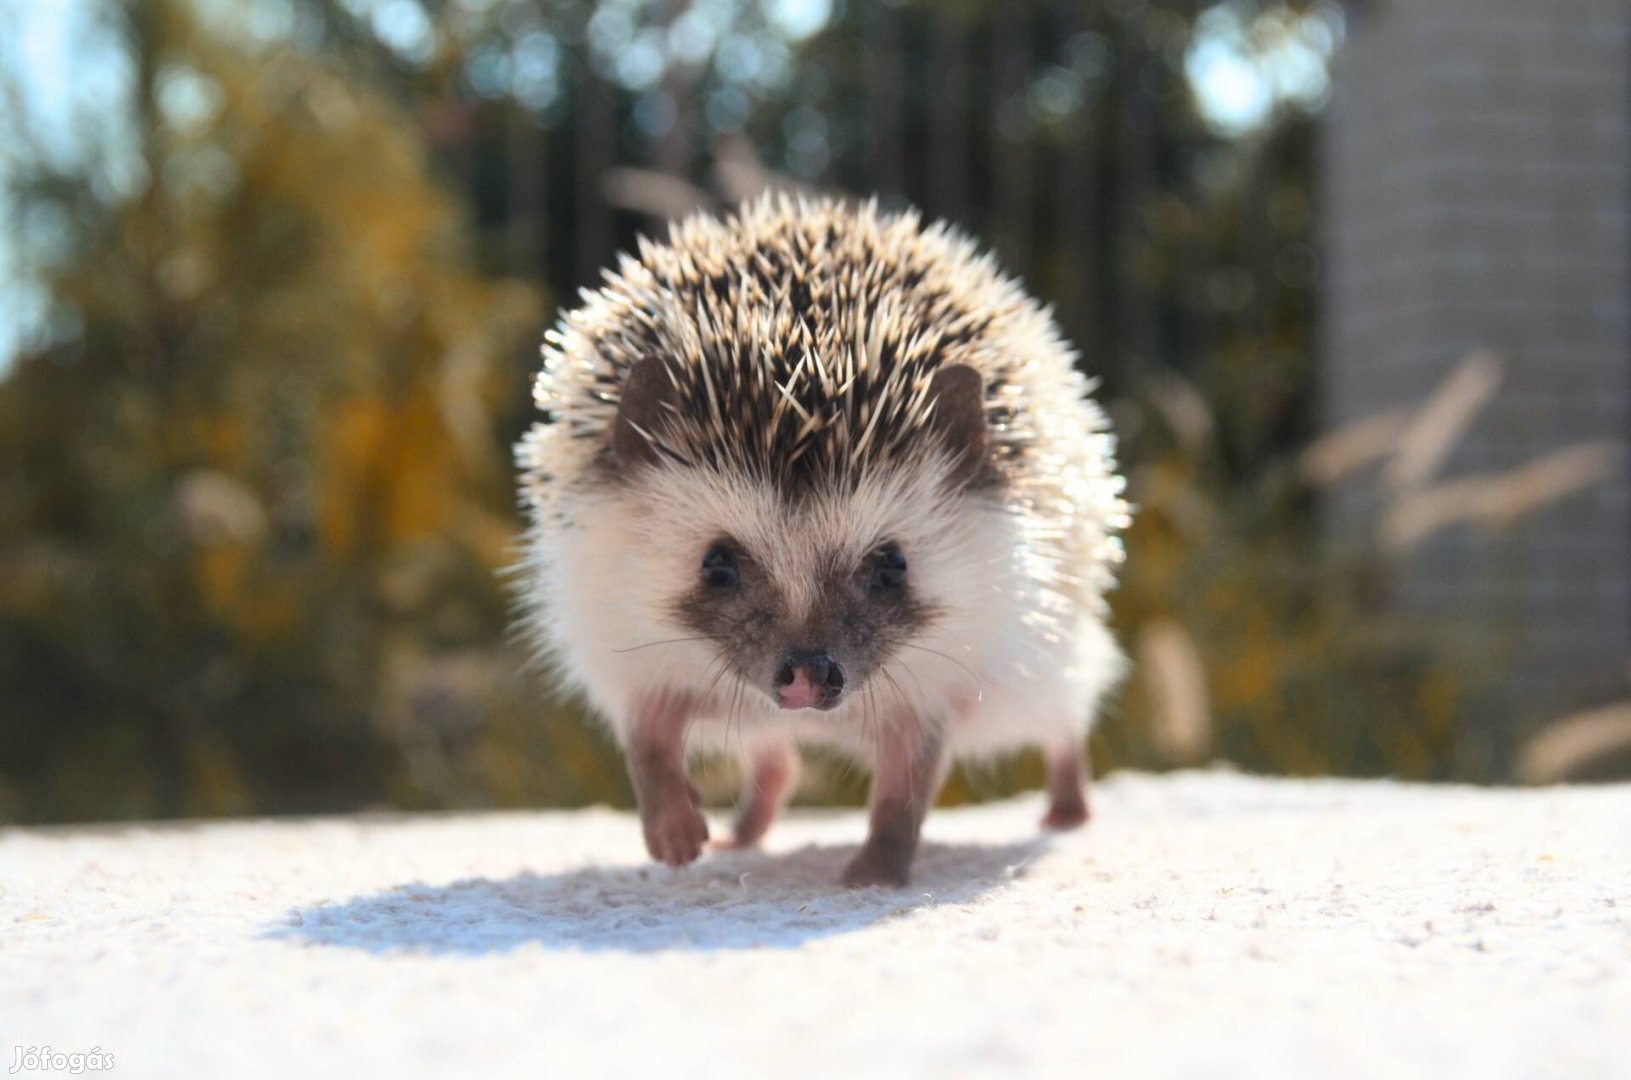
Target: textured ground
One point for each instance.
(1206, 924)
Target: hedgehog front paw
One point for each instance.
(675, 831)
(879, 864)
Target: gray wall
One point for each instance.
(1478, 178)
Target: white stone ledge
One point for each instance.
(1205, 924)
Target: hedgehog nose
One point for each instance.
(808, 679)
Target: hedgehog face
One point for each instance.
(807, 582)
(809, 624)
(802, 600)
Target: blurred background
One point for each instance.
(1356, 278)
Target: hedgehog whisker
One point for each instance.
(847, 767)
(979, 687)
(866, 712)
(724, 669)
(869, 722)
(666, 641)
(685, 736)
(917, 682)
(735, 715)
(741, 745)
(900, 694)
(946, 630)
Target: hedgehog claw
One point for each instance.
(675, 832)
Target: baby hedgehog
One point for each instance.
(816, 473)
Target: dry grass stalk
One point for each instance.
(740, 175)
(1444, 418)
(655, 194)
(1172, 495)
(218, 509)
(1352, 447)
(1175, 679)
(1572, 746)
(1497, 500)
(1184, 408)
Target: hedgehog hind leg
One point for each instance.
(1068, 772)
(770, 775)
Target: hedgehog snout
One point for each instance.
(808, 679)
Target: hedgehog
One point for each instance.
(817, 474)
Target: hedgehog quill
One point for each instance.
(815, 473)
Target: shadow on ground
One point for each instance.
(730, 900)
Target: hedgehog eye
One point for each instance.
(719, 567)
(888, 568)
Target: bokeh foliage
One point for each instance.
(254, 476)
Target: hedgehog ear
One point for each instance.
(647, 391)
(958, 394)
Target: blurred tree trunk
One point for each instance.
(948, 116)
(885, 93)
(1075, 230)
(1137, 313)
(597, 151)
(677, 147)
(1010, 138)
(527, 229)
